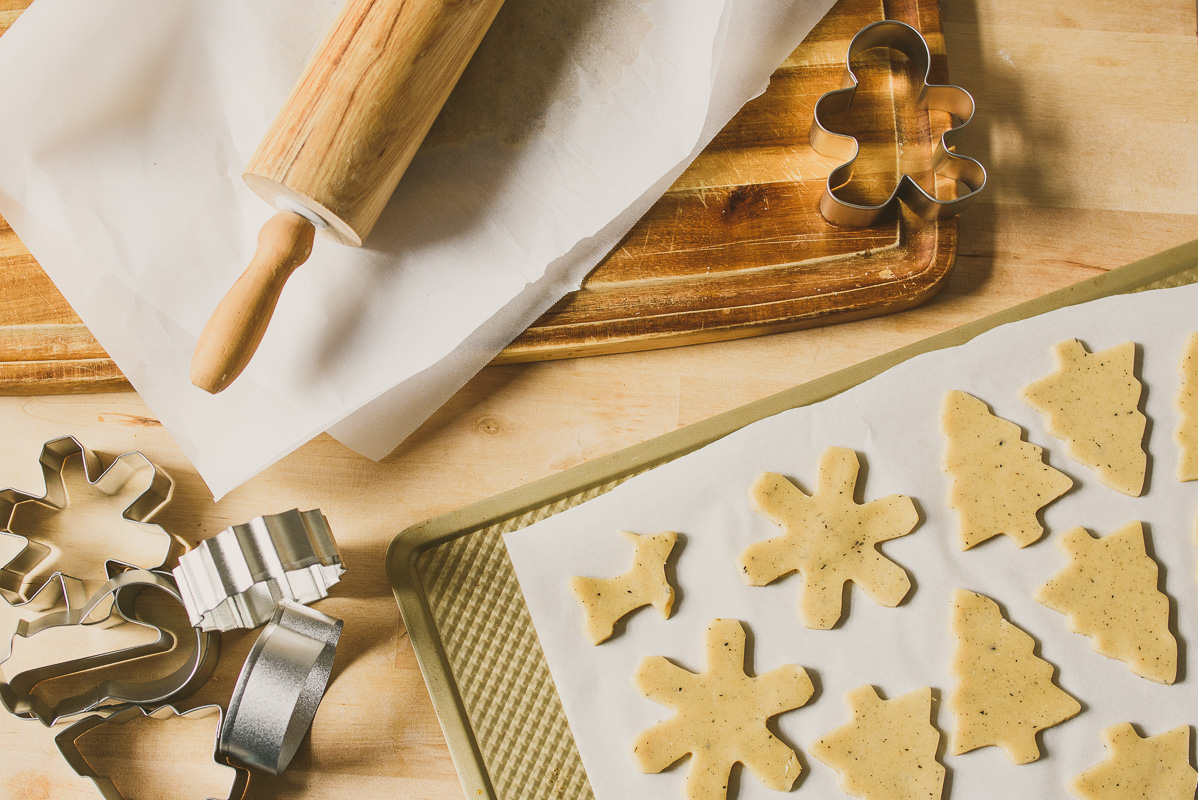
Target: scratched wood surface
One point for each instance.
(735, 248)
(1091, 168)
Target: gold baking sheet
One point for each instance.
(471, 630)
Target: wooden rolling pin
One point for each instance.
(335, 153)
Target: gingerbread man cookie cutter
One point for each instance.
(55, 455)
(956, 101)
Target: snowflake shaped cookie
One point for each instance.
(829, 539)
(1153, 766)
(720, 716)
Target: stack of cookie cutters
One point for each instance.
(900, 37)
(261, 571)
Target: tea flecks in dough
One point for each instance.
(720, 716)
(1092, 402)
(1187, 406)
(1155, 767)
(605, 601)
(1003, 694)
(829, 539)
(888, 750)
(999, 481)
(1109, 592)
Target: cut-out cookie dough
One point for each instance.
(1003, 694)
(888, 750)
(829, 539)
(1187, 406)
(720, 716)
(1149, 768)
(605, 601)
(1108, 591)
(1092, 403)
(1000, 482)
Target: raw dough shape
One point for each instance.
(1003, 694)
(829, 539)
(1155, 767)
(720, 716)
(605, 601)
(1187, 406)
(1108, 591)
(888, 750)
(1092, 403)
(999, 481)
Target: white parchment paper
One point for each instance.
(893, 422)
(125, 124)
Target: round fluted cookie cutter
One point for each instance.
(280, 687)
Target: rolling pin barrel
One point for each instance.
(341, 143)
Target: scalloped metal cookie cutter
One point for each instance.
(280, 687)
(66, 741)
(956, 101)
(17, 694)
(111, 480)
(236, 578)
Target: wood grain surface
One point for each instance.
(1091, 167)
(735, 248)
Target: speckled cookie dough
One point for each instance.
(1003, 694)
(888, 750)
(829, 539)
(1187, 406)
(1092, 403)
(1148, 768)
(1109, 592)
(720, 716)
(999, 481)
(605, 601)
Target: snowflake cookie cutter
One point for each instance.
(899, 36)
(60, 588)
(67, 743)
(236, 578)
(16, 693)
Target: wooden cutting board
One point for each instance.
(735, 248)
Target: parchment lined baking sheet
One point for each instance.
(471, 630)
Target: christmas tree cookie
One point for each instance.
(1003, 693)
(999, 481)
(1092, 403)
(888, 750)
(1108, 591)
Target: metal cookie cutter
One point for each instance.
(236, 578)
(66, 741)
(280, 687)
(17, 694)
(53, 459)
(953, 99)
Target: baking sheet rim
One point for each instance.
(411, 542)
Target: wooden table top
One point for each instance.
(1088, 122)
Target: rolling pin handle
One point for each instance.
(235, 328)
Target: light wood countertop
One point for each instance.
(1088, 123)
